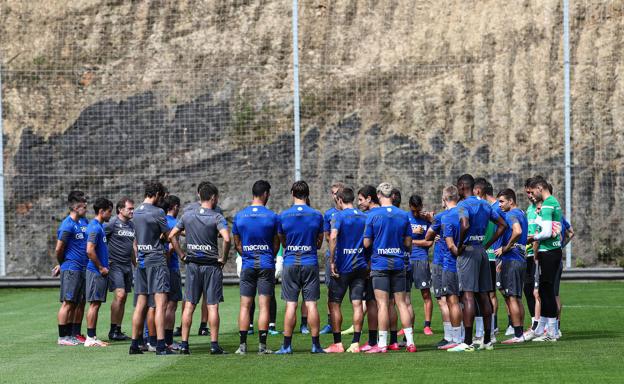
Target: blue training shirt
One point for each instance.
(439, 246)
(479, 213)
(327, 220)
(349, 255)
(565, 226)
(451, 228)
(387, 227)
(256, 226)
(518, 251)
(97, 236)
(174, 261)
(301, 225)
(419, 253)
(496, 207)
(74, 235)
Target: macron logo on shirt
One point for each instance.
(259, 247)
(388, 251)
(143, 247)
(352, 251)
(199, 247)
(299, 248)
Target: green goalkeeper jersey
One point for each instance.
(551, 211)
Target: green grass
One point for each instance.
(591, 350)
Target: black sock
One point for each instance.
(76, 329)
(242, 335)
(91, 332)
(169, 336)
(160, 345)
(509, 323)
(337, 337)
(68, 329)
(487, 337)
(427, 323)
(495, 321)
(468, 335)
(184, 344)
(214, 345)
(372, 337)
(152, 340)
(118, 329)
(263, 336)
(203, 325)
(356, 337)
(304, 321)
(287, 341)
(134, 344)
(61, 330)
(393, 337)
(518, 331)
(140, 340)
(534, 325)
(315, 341)
(328, 318)
(558, 323)
(113, 328)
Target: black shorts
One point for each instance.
(256, 279)
(391, 281)
(72, 286)
(511, 278)
(140, 281)
(301, 278)
(354, 281)
(529, 275)
(369, 292)
(436, 280)
(558, 279)
(473, 270)
(120, 277)
(493, 273)
(97, 287)
(421, 274)
(549, 265)
(204, 280)
(450, 283)
(175, 286)
(409, 280)
(158, 276)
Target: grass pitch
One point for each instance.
(592, 349)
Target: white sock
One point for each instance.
(493, 325)
(456, 335)
(553, 327)
(479, 331)
(541, 324)
(462, 333)
(383, 339)
(447, 331)
(409, 335)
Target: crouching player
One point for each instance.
(511, 263)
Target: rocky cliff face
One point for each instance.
(102, 95)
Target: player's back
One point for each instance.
(301, 226)
(256, 226)
(350, 224)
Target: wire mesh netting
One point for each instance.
(101, 96)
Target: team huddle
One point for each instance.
(376, 251)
